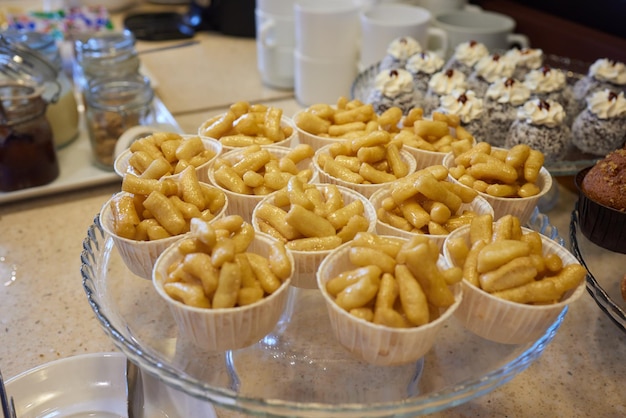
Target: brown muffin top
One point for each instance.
(605, 183)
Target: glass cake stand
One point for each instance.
(298, 369)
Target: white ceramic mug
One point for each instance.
(275, 46)
(276, 7)
(327, 28)
(322, 80)
(494, 30)
(440, 6)
(384, 22)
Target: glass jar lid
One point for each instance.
(21, 63)
(42, 43)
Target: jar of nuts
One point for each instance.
(114, 105)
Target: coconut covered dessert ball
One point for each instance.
(525, 59)
(549, 83)
(422, 66)
(469, 108)
(501, 101)
(540, 125)
(487, 70)
(465, 55)
(603, 74)
(441, 83)
(398, 52)
(393, 88)
(599, 129)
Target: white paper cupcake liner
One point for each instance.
(229, 328)
(504, 321)
(377, 344)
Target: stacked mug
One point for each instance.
(275, 42)
(326, 56)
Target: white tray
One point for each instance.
(77, 168)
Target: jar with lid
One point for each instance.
(106, 55)
(35, 47)
(114, 105)
(27, 153)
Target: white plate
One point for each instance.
(93, 385)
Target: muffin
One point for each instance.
(487, 70)
(603, 74)
(393, 88)
(548, 83)
(465, 55)
(516, 281)
(422, 66)
(602, 201)
(525, 60)
(398, 52)
(440, 84)
(540, 124)
(224, 302)
(469, 108)
(389, 328)
(599, 129)
(501, 101)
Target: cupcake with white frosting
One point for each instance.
(501, 101)
(525, 59)
(487, 70)
(440, 84)
(393, 88)
(398, 52)
(603, 74)
(422, 66)
(599, 129)
(547, 83)
(540, 125)
(469, 108)
(465, 55)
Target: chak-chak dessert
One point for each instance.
(501, 101)
(393, 88)
(540, 125)
(601, 127)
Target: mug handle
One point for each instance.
(437, 41)
(265, 33)
(519, 39)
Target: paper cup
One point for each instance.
(228, 328)
(377, 344)
(504, 321)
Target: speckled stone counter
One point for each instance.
(44, 313)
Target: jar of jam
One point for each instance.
(114, 105)
(27, 153)
(41, 54)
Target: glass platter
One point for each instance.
(604, 288)
(298, 369)
(574, 161)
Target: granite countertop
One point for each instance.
(45, 316)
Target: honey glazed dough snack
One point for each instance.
(344, 120)
(217, 269)
(246, 124)
(395, 283)
(152, 209)
(503, 260)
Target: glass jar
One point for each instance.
(107, 55)
(114, 105)
(62, 114)
(27, 153)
